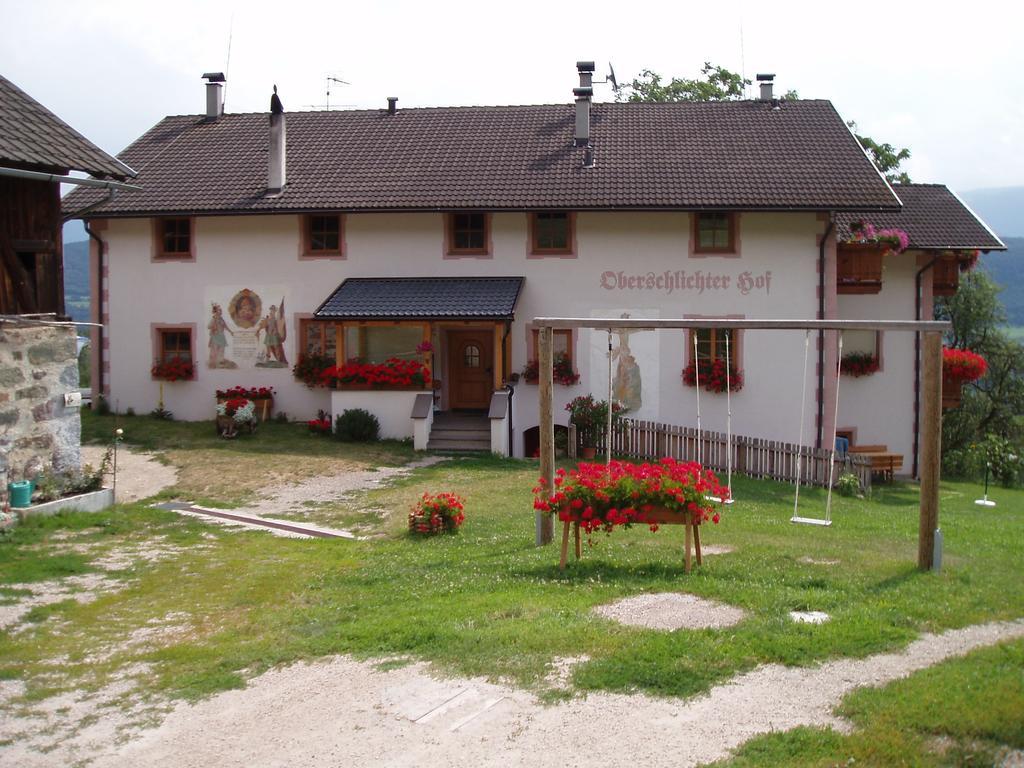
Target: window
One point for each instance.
(173, 238)
(378, 343)
(173, 355)
(468, 234)
(561, 344)
(711, 346)
(322, 235)
(551, 232)
(714, 232)
(318, 338)
(175, 345)
(471, 356)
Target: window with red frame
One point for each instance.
(714, 232)
(175, 344)
(711, 344)
(174, 238)
(467, 233)
(551, 233)
(323, 235)
(317, 338)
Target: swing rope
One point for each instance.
(835, 428)
(608, 426)
(696, 379)
(728, 419)
(800, 436)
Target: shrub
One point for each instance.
(436, 513)
(848, 484)
(101, 406)
(356, 425)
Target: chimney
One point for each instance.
(392, 104)
(214, 94)
(276, 177)
(583, 95)
(766, 81)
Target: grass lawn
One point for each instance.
(487, 602)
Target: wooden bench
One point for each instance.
(883, 462)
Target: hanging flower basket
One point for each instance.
(959, 366)
(859, 259)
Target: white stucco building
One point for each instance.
(436, 235)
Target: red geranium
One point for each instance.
(859, 364)
(714, 377)
(249, 393)
(437, 513)
(172, 370)
(622, 493)
(391, 373)
(962, 364)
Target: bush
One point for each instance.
(357, 426)
(848, 484)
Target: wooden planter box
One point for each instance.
(658, 515)
(859, 268)
(945, 277)
(366, 387)
(951, 392)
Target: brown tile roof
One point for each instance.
(679, 156)
(933, 218)
(423, 298)
(32, 137)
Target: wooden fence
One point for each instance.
(751, 456)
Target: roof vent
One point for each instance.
(767, 82)
(392, 104)
(214, 94)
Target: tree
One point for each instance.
(718, 84)
(885, 157)
(993, 406)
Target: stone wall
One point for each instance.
(38, 365)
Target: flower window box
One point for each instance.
(945, 276)
(859, 268)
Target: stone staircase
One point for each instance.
(460, 432)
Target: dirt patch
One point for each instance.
(341, 710)
(139, 474)
(82, 589)
(669, 611)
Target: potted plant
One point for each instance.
(176, 369)
(562, 371)
(713, 377)
(859, 258)
(262, 397)
(321, 425)
(310, 369)
(236, 415)
(959, 366)
(590, 417)
(437, 513)
(859, 364)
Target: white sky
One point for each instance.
(943, 79)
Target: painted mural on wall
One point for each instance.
(635, 365)
(246, 327)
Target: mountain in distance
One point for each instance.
(1002, 208)
(1007, 269)
(76, 280)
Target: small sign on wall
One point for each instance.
(246, 326)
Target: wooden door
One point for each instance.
(470, 368)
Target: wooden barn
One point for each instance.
(37, 151)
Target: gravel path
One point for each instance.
(139, 475)
(343, 712)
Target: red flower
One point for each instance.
(439, 513)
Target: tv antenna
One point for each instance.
(327, 105)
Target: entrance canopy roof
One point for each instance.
(423, 298)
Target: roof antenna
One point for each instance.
(327, 104)
(227, 64)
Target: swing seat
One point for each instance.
(809, 521)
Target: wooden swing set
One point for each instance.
(931, 410)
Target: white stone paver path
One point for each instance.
(347, 712)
